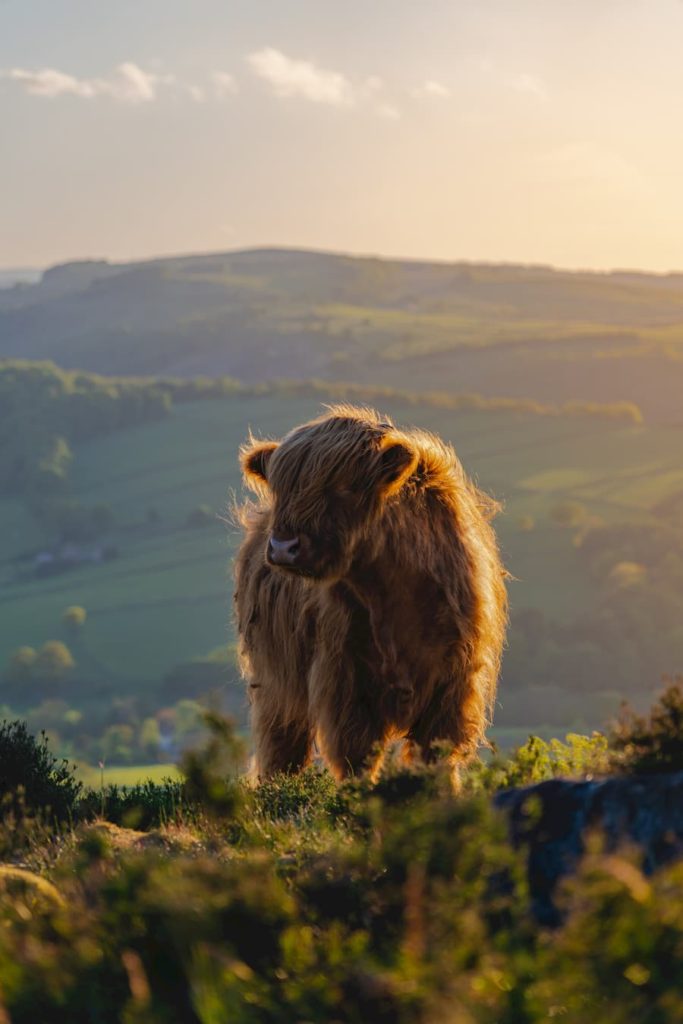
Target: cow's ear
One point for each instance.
(397, 460)
(254, 458)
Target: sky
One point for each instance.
(531, 131)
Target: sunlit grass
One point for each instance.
(125, 775)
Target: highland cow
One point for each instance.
(371, 601)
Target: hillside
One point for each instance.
(591, 533)
(530, 332)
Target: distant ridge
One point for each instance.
(625, 274)
(522, 331)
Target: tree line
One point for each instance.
(44, 410)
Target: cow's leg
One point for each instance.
(353, 744)
(448, 719)
(350, 729)
(282, 739)
(344, 688)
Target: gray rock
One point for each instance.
(552, 820)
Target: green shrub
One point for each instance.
(538, 760)
(74, 617)
(54, 661)
(211, 773)
(394, 902)
(21, 665)
(303, 797)
(654, 742)
(146, 805)
(619, 956)
(374, 930)
(31, 777)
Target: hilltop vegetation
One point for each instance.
(208, 899)
(530, 332)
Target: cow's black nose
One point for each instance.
(283, 552)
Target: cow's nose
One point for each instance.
(283, 552)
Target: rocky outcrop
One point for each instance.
(553, 819)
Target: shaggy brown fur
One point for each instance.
(393, 623)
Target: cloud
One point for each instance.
(286, 77)
(133, 85)
(388, 111)
(430, 89)
(50, 83)
(300, 78)
(128, 83)
(224, 84)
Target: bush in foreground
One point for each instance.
(32, 778)
(407, 907)
(299, 901)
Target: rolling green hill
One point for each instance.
(570, 484)
(268, 314)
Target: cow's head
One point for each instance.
(326, 481)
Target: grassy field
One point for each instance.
(128, 775)
(166, 598)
